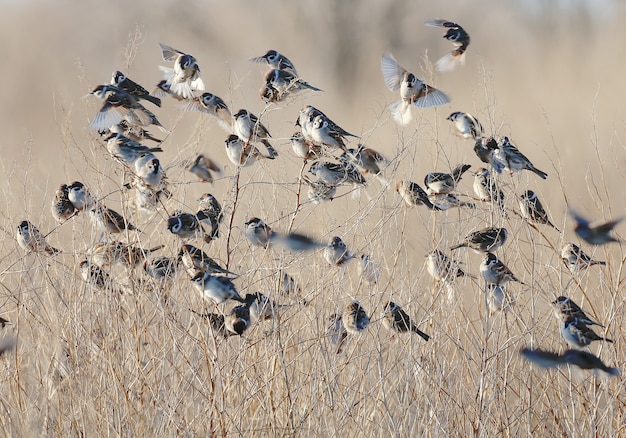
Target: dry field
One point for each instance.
(91, 363)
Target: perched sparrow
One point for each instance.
(160, 268)
(325, 133)
(184, 78)
(565, 307)
(277, 61)
(149, 169)
(319, 191)
(306, 118)
(30, 239)
(238, 320)
(269, 94)
(207, 218)
(146, 198)
(261, 307)
(194, 260)
(334, 174)
(413, 194)
(485, 240)
(243, 154)
(576, 259)
(135, 133)
(365, 159)
(286, 82)
(579, 358)
(186, 226)
(396, 319)
(486, 188)
(210, 213)
(498, 299)
(336, 253)
(442, 268)
(370, 270)
(305, 121)
(120, 106)
(412, 90)
(62, 208)
(496, 272)
(459, 38)
(216, 323)
(485, 148)
(532, 209)
(109, 220)
(597, 234)
(127, 151)
(295, 242)
(213, 105)
(121, 81)
(355, 319)
(467, 125)
(217, 289)
(446, 201)
(202, 168)
(440, 182)
(80, 197)
(249, 129)
(258, 232)
(578, 334)
(336, 332)
(512, 160)
(304, 149)
(95, 276)
(104, 254)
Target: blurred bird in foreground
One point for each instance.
(202, 167)
(579, 358)
(597, 234)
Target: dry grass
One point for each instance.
(89, 362)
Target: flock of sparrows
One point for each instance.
(123, 120)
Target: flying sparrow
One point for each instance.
(486, 189)
(249, 129)
(576, 259)
(334, 174)
(440, 182)
(467, 125)
(396, 319)
(80, 197)
(366, 159)
(258, 232)
(276, 60)
(336, 253)
(215, 288)
(212, 105)
(597, 234)
(565, 307)
(62, 208)
(123, 82)
(186, 226)
(202, 167)
(164, 89)
(413, 194)
(532, 209)
(161, 268)
(127, 151)
(459, 38)
(442, 268)
(370, 270)
(579, 358)
(355, 318)
(184, 79)
(238, 320)
(578, 334)
(194, 260)
(336, 332)
(496, 272)
(243, 154)
(485, 240)
(412, 90)
(31, 239)
(109, 220)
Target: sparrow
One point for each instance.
(396, 319)
(258, 232)
(133, 88)
(120, 106)
(597, 234)
(446, 201)
(135, 133)
(565, 307)
(161, 268)
(354, 318)
(467, 125)
(145, 198)
(62, 208)
(127, 151)
(285, 83)
(486, 189)
(210, 206)
(498, 299)
(365, 159)
(413, 194)
(532, 209)
(440, 182)
(576, 259)
(164, 89)
(295, 241)
(217, 323)
(95, 276)
(288, 285)
(579, 358)
(578, 334)
(485, 240)
(496, 272)
(31, 239)
(459, 38)
(261, 307)
(215, 288)
(149, 169)
(250, 130)
(325, 133)
(123, 253)
(319, 191)
(186, 226)
(184, 79)
(212, 105)
(334, 174)
(4, 322)
(277, 61)
(243, 154)
(369, 269)
(306, 118)
(336, 332)
(412, 90)
(194, 260)
(269, 94)
(304, 149)
(202, 167)
(511, 159)
(109, 220)
(485, 148)
(238, 320)
(80, 197)
(206, 217)
(336, 253)
(442, 268)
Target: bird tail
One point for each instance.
(541, 174)
(155, 100)
(449, 61)
(401, 112)
(421, 333)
